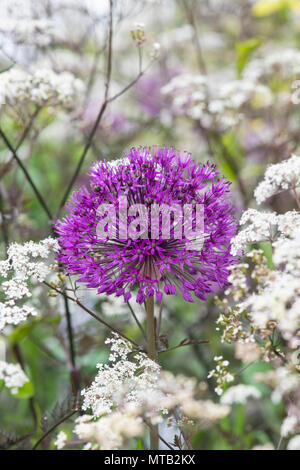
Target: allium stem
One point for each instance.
(151, 335)
(151, 348)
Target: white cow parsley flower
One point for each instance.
(140, 388)
(111, 431)
(221, 374)
(28, 30)
(294, 443)
(283, 63)
(194, 97)
(122, 377)
(285, 383)
(290, 425)
(39, 86)
(279, 177)
(263, 226)
(287, 253)
(240, 394)
(13, 376)
(267, 446)
(61, 440)
(279, 301)
(23, 264)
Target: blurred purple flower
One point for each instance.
(148, 94)
(111, 122)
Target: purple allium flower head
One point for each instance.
(153, 265)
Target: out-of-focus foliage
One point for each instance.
(223, 85)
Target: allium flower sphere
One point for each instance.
(153, 264)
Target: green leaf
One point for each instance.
(139, 445)
(266, 247)
(230, 155)
(243, 53)
(27, 391)
(239, 421)
(268, 7)
(23, 330)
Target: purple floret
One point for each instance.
(152, 266)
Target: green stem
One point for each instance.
(151, 347)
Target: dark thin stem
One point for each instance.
(115, 330)
(130, 85)
(137, 321)
(70, 331)
(103, 107)
(24, 135)
(27, 129)
(100, 114)
(183, 432)
(74, 373)
(158, 436)
(64, 418)
(190, 12)
(19, 356)
(279, 443)
(192, 343)
(279, 355)
(296, 197)
(37, 343)
(27, 175)
(4, 225)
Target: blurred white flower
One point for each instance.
(279, 177)
(294, 443)
(289, 426)
(42, 87)
(263, 226)
(61, 440)
(240, 394)
(23, 264)
(111, 431)
(13, 376)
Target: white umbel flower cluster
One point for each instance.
(12, 376)
(240, 394)
(294, 443)
(287, 253)
(40, 87)
(23, 264)
(61, 440)
(221, 374)
(28, 30)
(290, 425)
(280, 177)
(279, 301)
(194, 97)
(262, 227)
(123, 377)
(126, 392)
(111, 431)
(286, 383)
(284, 63)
